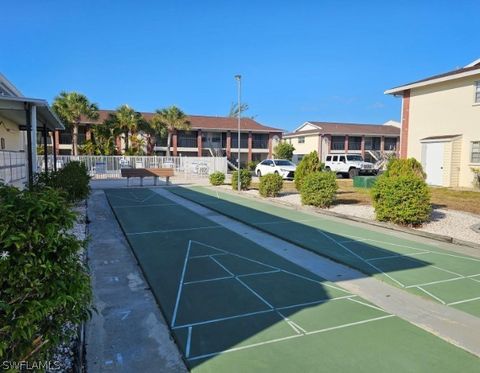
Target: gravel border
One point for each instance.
(69, 354)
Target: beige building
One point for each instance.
(370, 140)
(441, 125)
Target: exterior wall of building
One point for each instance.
(309, 145)
(443, 109)
(13, 138)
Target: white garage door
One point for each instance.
(434, 162)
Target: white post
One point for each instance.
(33, 134)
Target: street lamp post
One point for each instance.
(238, 78)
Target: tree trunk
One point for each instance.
(169, 141)
(126, 141)
(75, 139)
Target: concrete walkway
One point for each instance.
(452, 325)
(128, 332)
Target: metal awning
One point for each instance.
(14, 108)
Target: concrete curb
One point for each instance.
(313, 211)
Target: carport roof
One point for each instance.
(13, 108)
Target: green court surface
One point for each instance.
(442, 276)
(234, 306)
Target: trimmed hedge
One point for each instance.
(43, 283)
(217, 178)
(270, 185)
(284, 150)
(73, 180)
(402, 199)
(245, 179)
(319, 189)
(401, 195)
(309, 164)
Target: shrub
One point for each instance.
(403, 199)
(73, 180)
(476, 177)
(43, 283)
(319, 189)
(245, 179)
(251, 165)
(309, 164)
(284, 150)
(217, 178)
(270, 185)
(402, 167)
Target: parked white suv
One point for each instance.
(348, 165)
(283, 167)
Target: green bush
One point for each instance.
(319, 189)
(270, 185)
(251, 165)
(309, 164)
(245, 179)
(403, 199)
(403, 167)
(73, 180)
(217, 178)
(43, 284)
(284, 150)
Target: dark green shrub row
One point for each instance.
(310, 163)
(217, 178)
(245, 179)
(43, 284)
(401, 195)
(319, 189)
(73, 180)
(270, 185)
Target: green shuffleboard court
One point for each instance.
(234, 306)
(442, 276)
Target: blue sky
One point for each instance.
(300, 60)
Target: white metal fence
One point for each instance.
(108, 167)
(13, 166)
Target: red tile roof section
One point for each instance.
(333, 128)
(204, 122)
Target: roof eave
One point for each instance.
(401, 89)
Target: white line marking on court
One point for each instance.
(361, 258)
(206, 256)
(255, 293)
(259, 273)
(315, 302)
(463, 301)
(434, 282)
(366, 304)
(316, 281)
(208, 280)
(189, 341)
(221, 265)
(286, 221)
(433, 296)
(398, 256)
(289, 337)
(175, 230)
(297, 328)
(179, 293)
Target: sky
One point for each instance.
(300, 61)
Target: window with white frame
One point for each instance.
(477, 92)
(475, 152)
(301, 140)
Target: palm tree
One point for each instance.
(127, 121)
(71, 107)
(233, 112)
(172, 119)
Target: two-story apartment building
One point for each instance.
(208, 136)
(441, 124)
(370, 140)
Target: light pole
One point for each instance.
(238, 78)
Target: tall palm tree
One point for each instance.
(71, 107)
(172, 119)
(127, 121)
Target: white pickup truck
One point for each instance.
(349, 165)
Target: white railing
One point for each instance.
(108, 167)
(13, 167)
